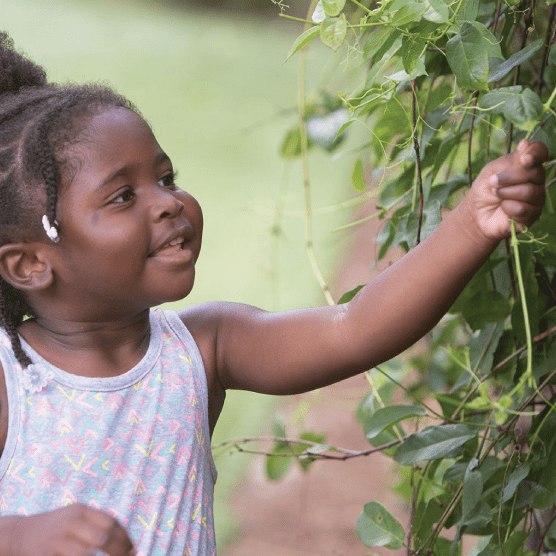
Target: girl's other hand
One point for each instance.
(510, 187)
(75, 530)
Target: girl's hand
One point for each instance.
(511, 187)
(75, 530)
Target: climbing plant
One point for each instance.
(449, 85)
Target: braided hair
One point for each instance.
(37, 121)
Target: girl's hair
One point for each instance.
(37, 121)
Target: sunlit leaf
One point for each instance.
(333, 31)
(319, 15)
(306, 37)
(333, 8)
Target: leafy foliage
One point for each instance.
(450, 84)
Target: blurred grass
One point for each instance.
(219, 99)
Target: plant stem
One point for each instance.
(298, 19)
(515, 244)
(305, 164)
(364, 8)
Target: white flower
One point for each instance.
(36, 377)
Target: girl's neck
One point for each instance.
(99, 349)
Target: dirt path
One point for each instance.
(314, 513)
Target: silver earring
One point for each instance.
(51, 230)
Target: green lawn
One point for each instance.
(214, 89)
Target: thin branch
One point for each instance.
(417, 162)
(470, 140)
(345, 453)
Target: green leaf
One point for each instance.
(348, 296)
(387, 417)
(514, 546)
(357, 178)
(376, 526)
(522, 107)
(433, 443)
(307, 453)
(482, 307)
(514, 60)
(472, 487)
(413, 47)
(306, 37)
(277, 465)
(332, 8)
(514, 480)
(438, 12)
(468, 55)
(291, 145)
(410, 12)
(377, 39)
(333, 31)
(469, 10)
(319, 15)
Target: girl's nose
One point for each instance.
(166, 205)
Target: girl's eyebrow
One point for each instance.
(128, 168)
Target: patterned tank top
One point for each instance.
(136, 445)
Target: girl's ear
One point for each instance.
(25, 266)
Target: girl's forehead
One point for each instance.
(111, 139)
(117, 120)
(110, 133)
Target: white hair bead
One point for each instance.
(51, 231)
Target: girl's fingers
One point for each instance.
(526, 192)
(72, 548)
(520, 174)
(117, 543)
(532, 152)
(103, 532)
(524, 213)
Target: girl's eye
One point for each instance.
(169, 180)
(124, 197)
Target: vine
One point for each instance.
(448, 85)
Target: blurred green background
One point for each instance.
(214, 87)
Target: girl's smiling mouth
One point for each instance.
(176, 248)
(172, 246)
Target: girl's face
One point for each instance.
(129, 237)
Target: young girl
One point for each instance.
(106, 405)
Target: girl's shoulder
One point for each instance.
(205, 322)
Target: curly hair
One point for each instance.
(37, 121)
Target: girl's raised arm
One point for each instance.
(290, 352)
